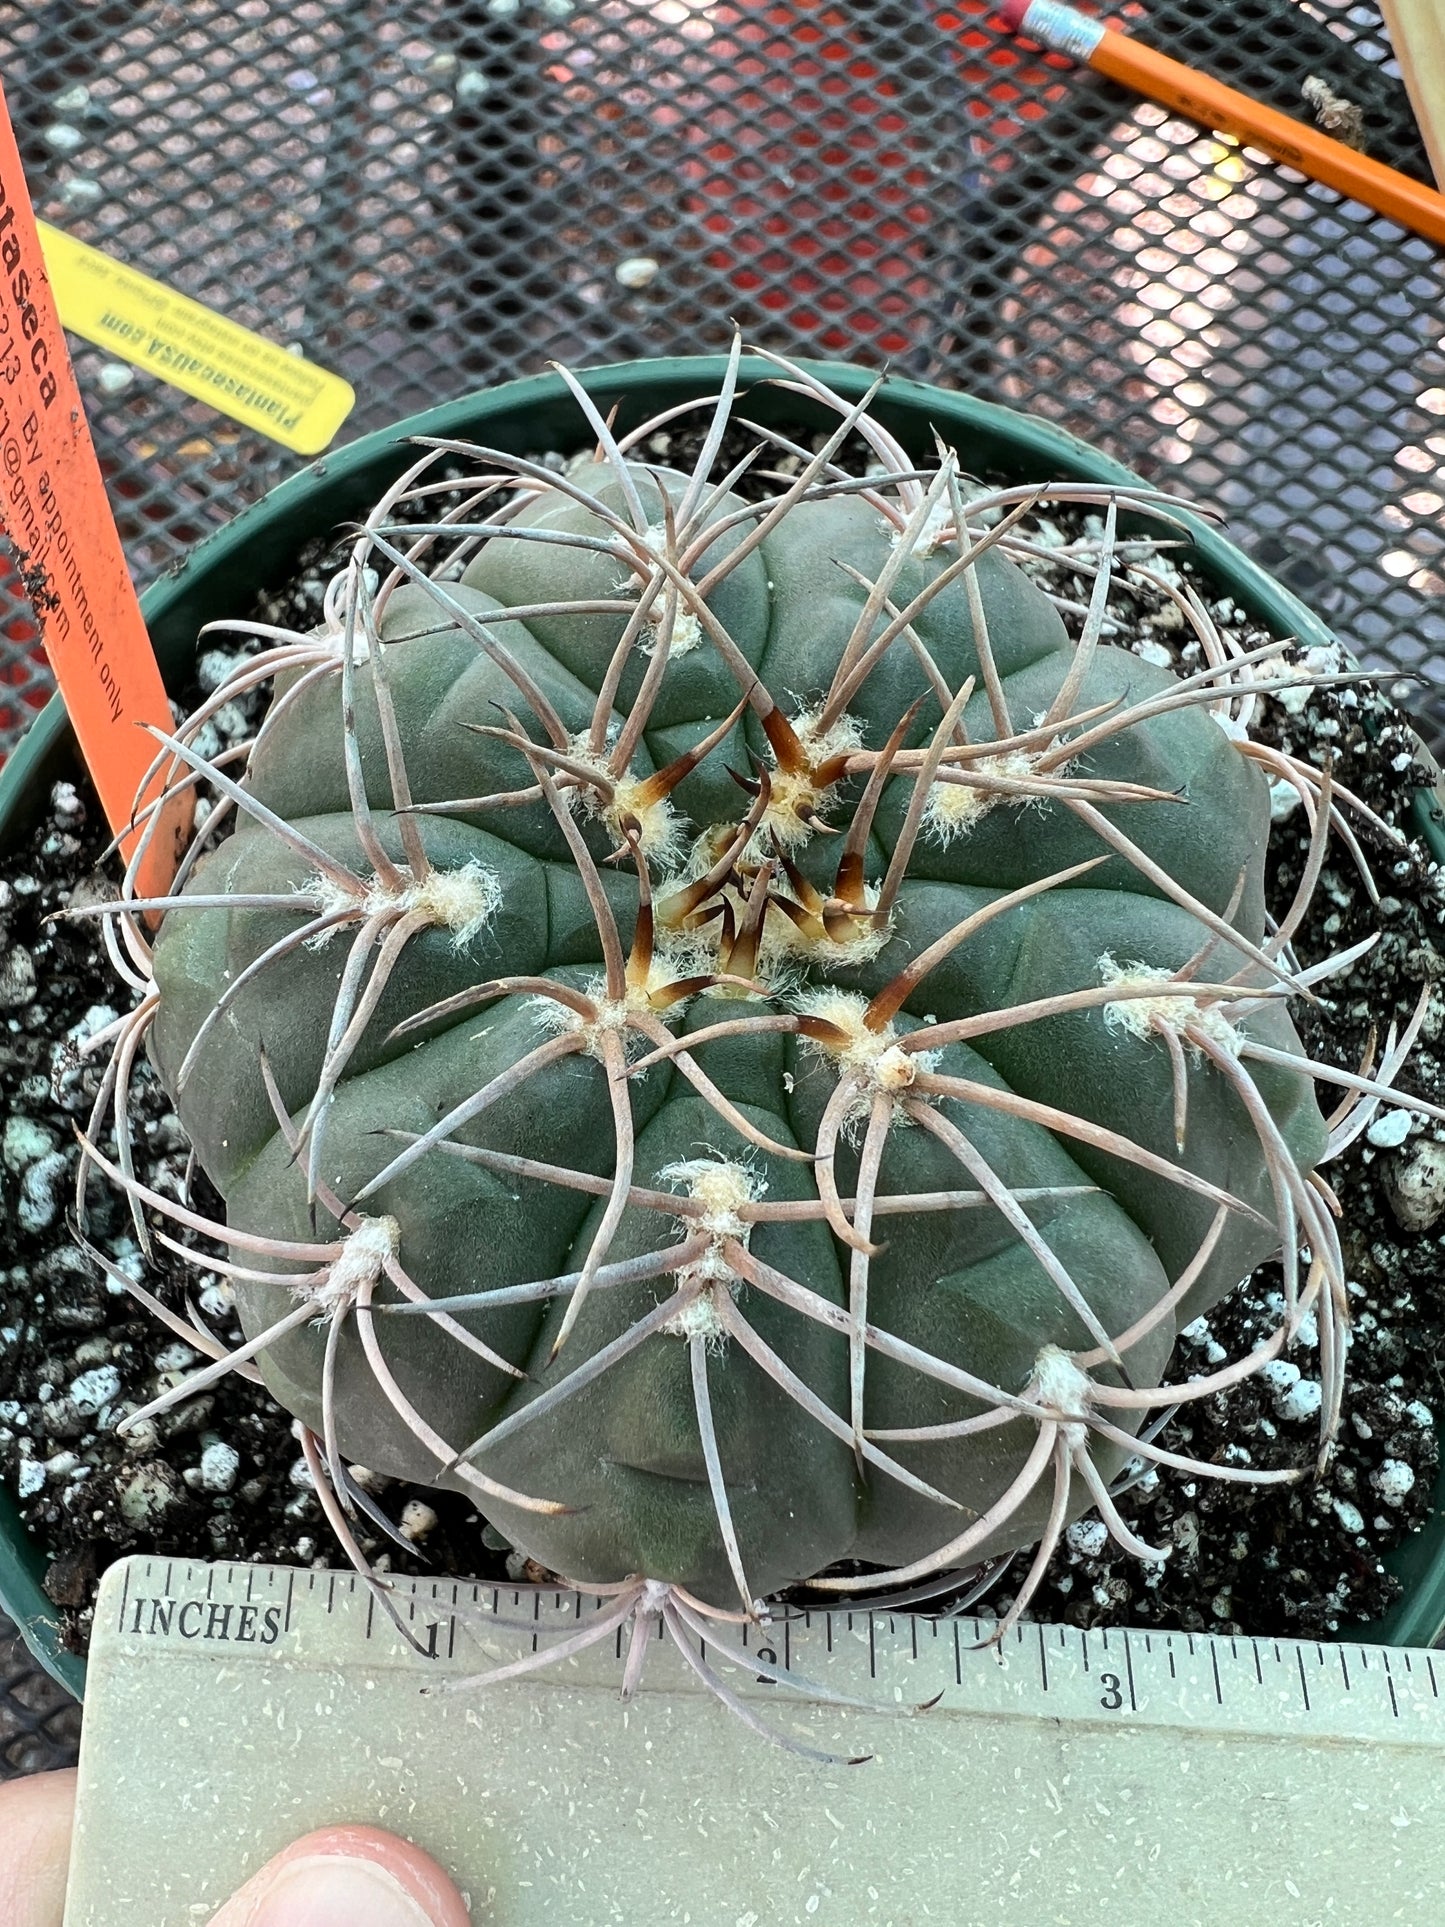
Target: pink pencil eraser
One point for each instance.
(1012, 13)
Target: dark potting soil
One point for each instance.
(223, 1476)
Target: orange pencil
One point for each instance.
(1065, 30)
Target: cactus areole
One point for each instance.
(726, 1029)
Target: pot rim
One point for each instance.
(225, 567)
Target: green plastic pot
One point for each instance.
(258, 549)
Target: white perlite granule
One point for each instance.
(95, 1389)
(1394, 1480)
(219, 1465)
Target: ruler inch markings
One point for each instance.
(326, 1625)
(214, 1736)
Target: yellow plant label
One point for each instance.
(255, 382)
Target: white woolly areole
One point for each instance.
(685, 953)
(332, 632)
(616, 799)
(1162, 1006)
(660, 831)
(362, 1262)
(954, 808)
(722, 1188)
(782, 944)
(698, 1318)
(938, 527)
(795, 792)
(686, 629)
(783, 938)
(860, 947)
(875, 1058)
(463, 901)
(1065, 1388)
(615, 1016)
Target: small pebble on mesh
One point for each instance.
(17, 978)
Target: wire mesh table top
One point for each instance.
(430, 195)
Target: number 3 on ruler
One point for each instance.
(1112, 1697)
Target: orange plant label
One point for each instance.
(54, 510)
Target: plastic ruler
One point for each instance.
(1067, 1779)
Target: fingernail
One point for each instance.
(326, 1890)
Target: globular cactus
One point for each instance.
(723, 1032)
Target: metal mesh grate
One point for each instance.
(427, 195)
(39, 1721)
(430, 196)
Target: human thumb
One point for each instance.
(347, 1877)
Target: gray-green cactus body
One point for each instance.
(624, 1455)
